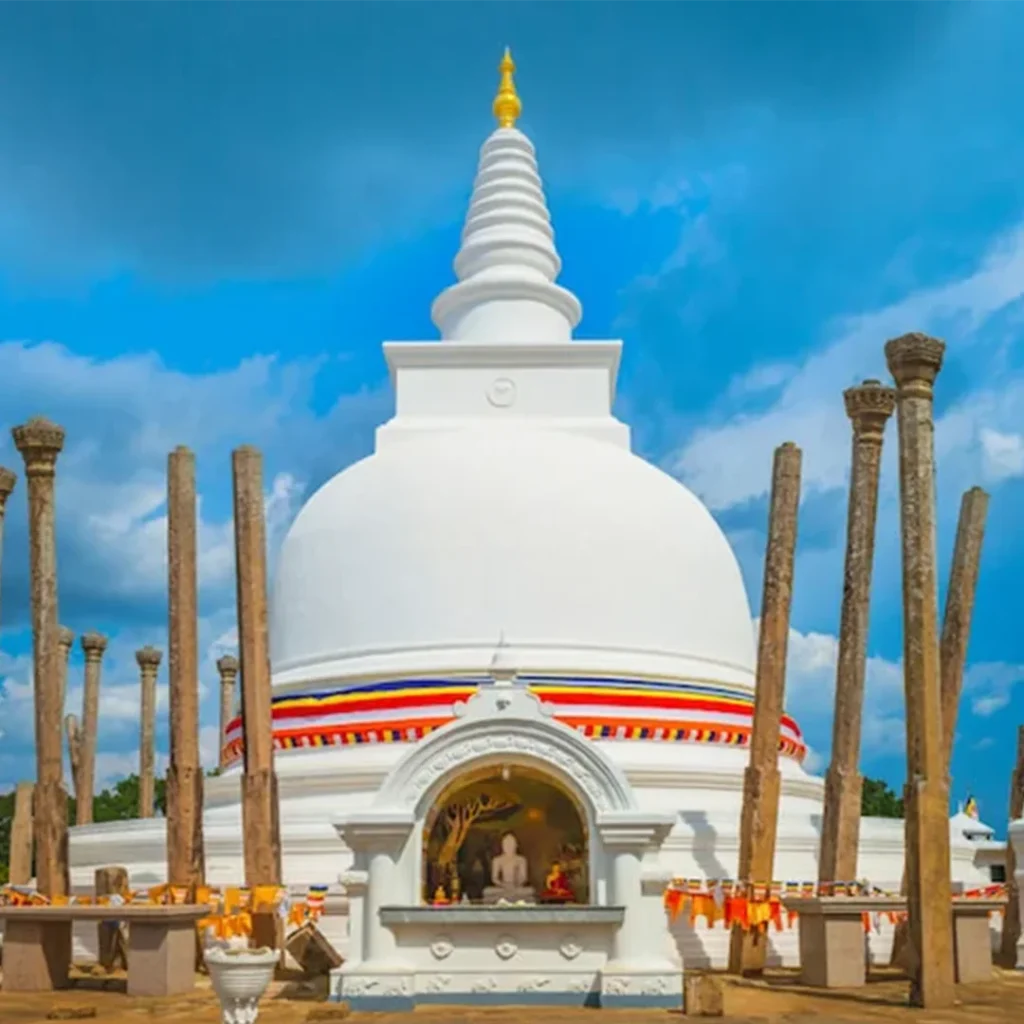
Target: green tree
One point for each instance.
(877, 800)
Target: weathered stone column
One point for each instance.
(66, 640)
(185, 774)
(759, 819)
(260, 823)
(227, 666)
(148, 659)
(40, 442)
(914, 361)
(74, 738)
(956, 623)
(1011, 919)
(19, 870)
(93, 646)
(869, 408)
(8, 478)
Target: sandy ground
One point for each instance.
(777, 998)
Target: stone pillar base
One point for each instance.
(161, 957)
(37, 955)
(972, 945)
(832, 952)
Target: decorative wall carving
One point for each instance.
(496, 743)
(441, 946)
(506, 946)
(378, 986)
(570, 947)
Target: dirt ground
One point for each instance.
(777, 998)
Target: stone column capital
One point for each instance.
(8, 478)
(869, 406)
(40, 442)
(148, 658)
(227, 666)
(93, 644)
(66, 639)
(914, 360)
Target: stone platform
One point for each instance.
(517, 955)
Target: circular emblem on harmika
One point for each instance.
(506, 947)
(502, 392)
(441, 946)
(570, 947)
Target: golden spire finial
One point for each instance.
(507, 104)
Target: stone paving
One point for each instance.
(778, 998)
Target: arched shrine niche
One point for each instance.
(519, 815)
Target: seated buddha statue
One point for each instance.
(509, 874)
(556, 886)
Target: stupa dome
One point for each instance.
(564, 551)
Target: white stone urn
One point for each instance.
(240, 977)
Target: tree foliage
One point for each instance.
(877, 800)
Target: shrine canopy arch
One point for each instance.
(505, 724)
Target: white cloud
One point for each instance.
(1004, 454)
(989, 686)
(729, 463)
(810, 691)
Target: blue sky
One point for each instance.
(213, 214)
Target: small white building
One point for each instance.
(505, 621)
(989, 852)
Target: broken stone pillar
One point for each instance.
(759, 818)
(19, 869)
(8, 478)
(74, 738)
(111, 947)
(40, 442)
(262, 842)
(869, 408)
(93, 646)
(956, 623)
(66, 640)
(1011, 919)
(148, 659)
(227, 666)
(914, 361)
(184, 773)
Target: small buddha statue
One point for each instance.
(556, 886)
(509, 874)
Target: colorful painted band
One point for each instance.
(406, 710)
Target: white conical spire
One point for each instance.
(507, 264)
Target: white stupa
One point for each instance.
(503, 604)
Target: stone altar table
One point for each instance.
(832, 950)
(161, 946)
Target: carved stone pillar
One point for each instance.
(956, 623)
(227, 666)
(914, 361)
(65, 640)
(40, 442)
(869, 408)
(759, 818)
(148, 659)
(93, 646)
(259, 784)
(19, 871)
(184, 774)
(8, 478)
